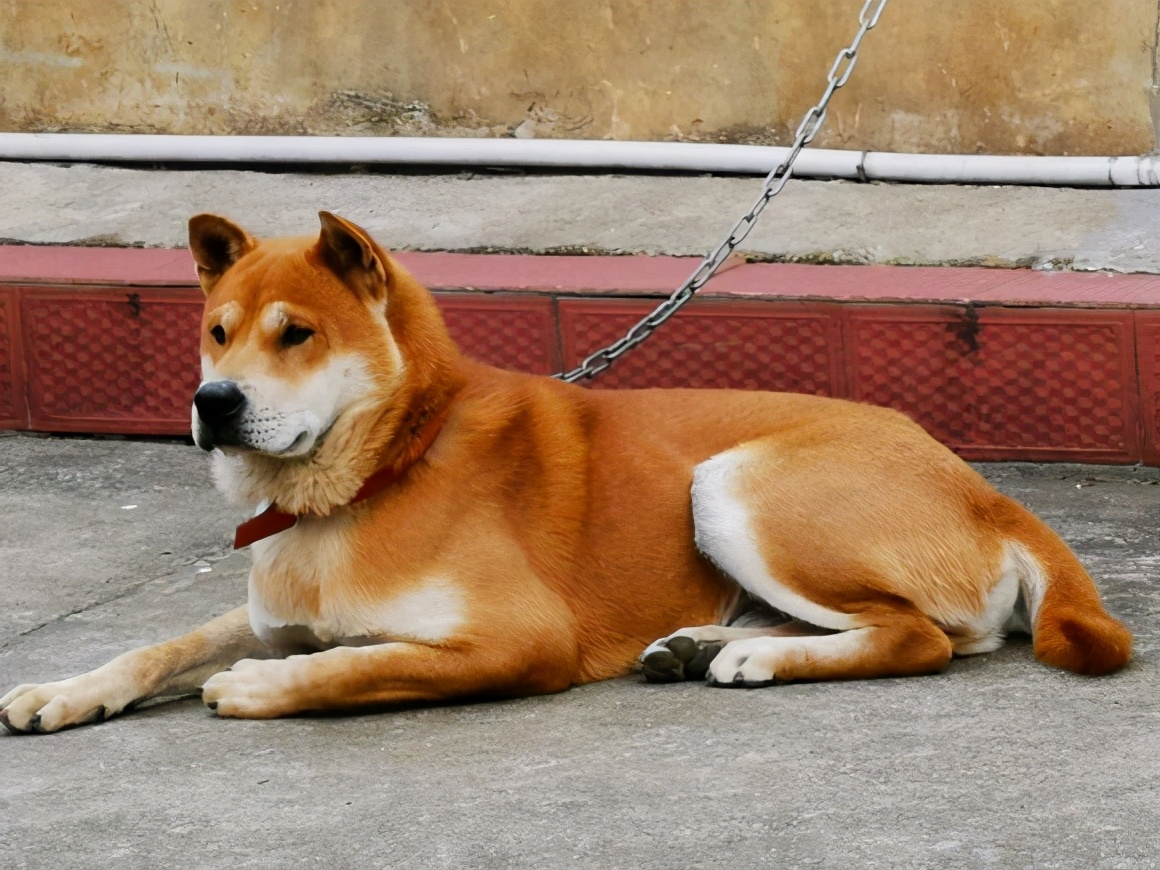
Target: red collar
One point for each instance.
(271, 521)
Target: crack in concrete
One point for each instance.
(100, 602)
(88, 605)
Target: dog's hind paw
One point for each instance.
(678, 657)
(749, 664)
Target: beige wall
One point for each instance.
(1028, 76)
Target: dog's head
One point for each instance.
(309, 347)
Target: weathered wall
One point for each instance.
(1034, 76)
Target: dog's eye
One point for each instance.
(219, 334)
(295, 335)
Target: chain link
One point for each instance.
(839, 74)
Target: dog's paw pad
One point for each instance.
(661, 666)
(677, 658)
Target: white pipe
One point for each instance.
(585, 154)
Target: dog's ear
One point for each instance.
(216, 244)
(349, 252)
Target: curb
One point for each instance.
(998, 364)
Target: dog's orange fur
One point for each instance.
(556, 521)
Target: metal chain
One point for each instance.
(774, 182)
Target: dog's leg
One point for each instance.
(346, 678)
(687, 653)
(900, 645)
(176, 667)
(757, 523)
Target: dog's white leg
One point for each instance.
(726, 534)
(686, 654)
(904, 646)
(175, 667)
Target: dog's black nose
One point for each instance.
(218, 402)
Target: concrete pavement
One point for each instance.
(999, 762)
(107, 544)
(816, 221)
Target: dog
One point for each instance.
(434, 529)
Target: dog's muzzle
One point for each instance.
(220, 405)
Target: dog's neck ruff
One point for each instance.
(271, 521)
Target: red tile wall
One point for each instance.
(1017, 383)
(1148, 353)
(13, 414)
(126, 361)
(788, 347)
(999, 383)
(514, 333)
(111, 360)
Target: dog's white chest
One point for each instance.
(307, 589)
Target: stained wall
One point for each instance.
(995, 76)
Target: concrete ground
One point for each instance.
(999, 762)
(823, 221)
(109, 544)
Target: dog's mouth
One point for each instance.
(228, 417)
(303, 444)
(300, 439)
(235, 441)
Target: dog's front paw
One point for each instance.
(48, 707)
(254, 689)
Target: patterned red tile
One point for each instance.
(753, 346)
(111, 361)
(1148, 354)
(13, 411)
(1003, 383)
(511, 333)
(1032, 383)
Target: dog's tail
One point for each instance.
(1069, 626)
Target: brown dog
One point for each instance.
(441, 529)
